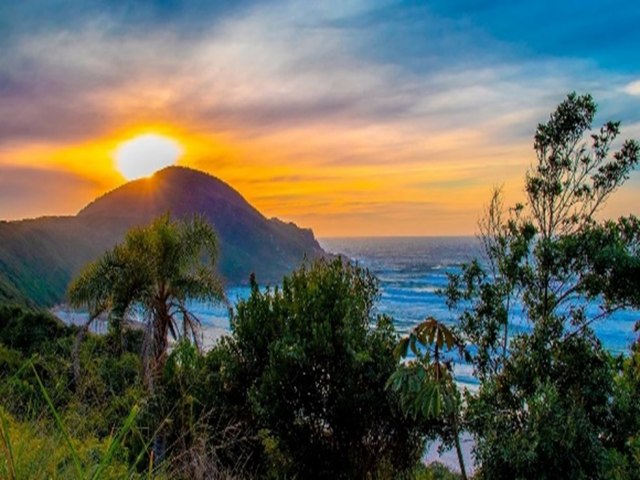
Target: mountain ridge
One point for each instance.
(39, 257)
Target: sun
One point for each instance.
(145, 154)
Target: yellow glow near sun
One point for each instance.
(145, 154)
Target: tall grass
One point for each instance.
(36, 450)
(44, 446)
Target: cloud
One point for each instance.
(351, 92)
(260, 68)
(632, 88)
(38, 17)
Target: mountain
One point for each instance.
(39, 257)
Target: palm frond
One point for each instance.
(157, 265)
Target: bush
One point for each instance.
(30, 331)
(434, 471)
(306, 371)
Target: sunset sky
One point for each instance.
(367, 117)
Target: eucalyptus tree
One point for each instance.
(154, 272)
(544, 397)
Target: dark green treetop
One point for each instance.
(306, 367)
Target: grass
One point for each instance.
(38, 450)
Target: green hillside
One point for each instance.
(39, 257)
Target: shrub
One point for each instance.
(306, 369)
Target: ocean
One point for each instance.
(410, 271)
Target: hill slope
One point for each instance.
(39, 257)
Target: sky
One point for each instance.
(351, 117)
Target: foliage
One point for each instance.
(107, 381)
(43, 437)
(306, 371)
(623, 437)
(198, 440)
(31, 337)
(425, 383)
(38, 453)
(543, 408)
(29, 331)
(156, 270)
(435, 471)
(308, 386)
(544, 418)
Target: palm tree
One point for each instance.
(155, 271)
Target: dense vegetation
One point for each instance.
(308, 373)
(309, 384)
(297, 391)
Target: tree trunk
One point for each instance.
(456, 434)
(161, 344)
(115, 333)
(159, 356)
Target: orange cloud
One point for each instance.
(288, 108)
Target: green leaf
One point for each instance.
(401, 349)
(116, 443)
(72, 450)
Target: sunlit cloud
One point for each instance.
(317, 112)
(632, 88)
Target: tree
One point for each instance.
(425, 383)
(543, 403)
(623, 436)
(306, 368)
(155, 271)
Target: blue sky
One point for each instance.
(392, 116)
